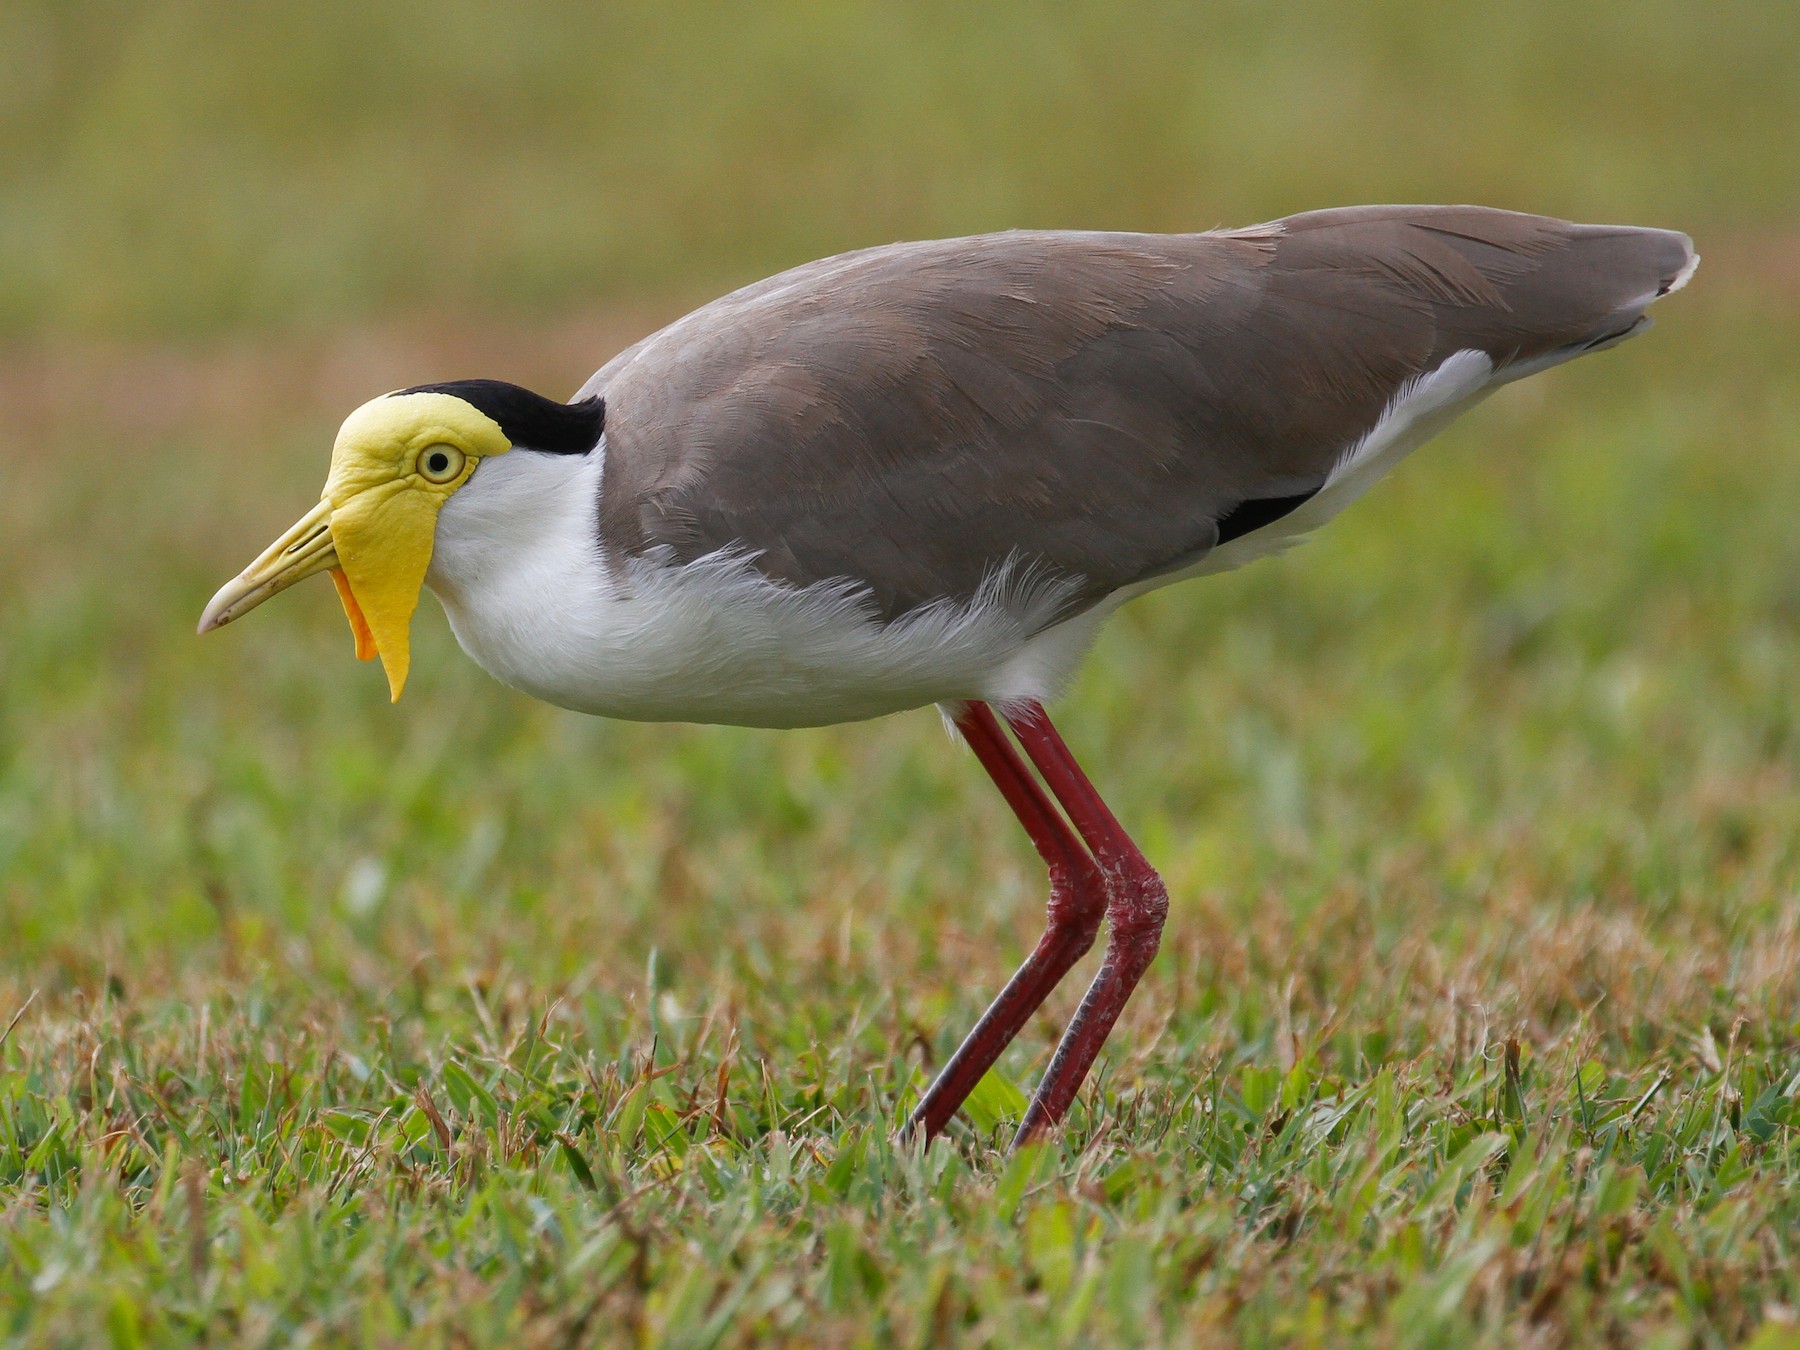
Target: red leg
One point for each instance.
(1077, 901)
(1136, 905)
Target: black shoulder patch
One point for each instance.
(530, 421)
(1252, 515)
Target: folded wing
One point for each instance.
(1104, 408)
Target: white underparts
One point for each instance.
(519, 573)
(518, 568)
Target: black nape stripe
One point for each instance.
(1252, 515)
(530, 421)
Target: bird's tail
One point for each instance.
(1530, 291)
(1594, 292)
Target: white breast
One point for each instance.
(520, 574)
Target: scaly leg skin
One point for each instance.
(1078, 899)
(1137, 903)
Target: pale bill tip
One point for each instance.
(218, 611)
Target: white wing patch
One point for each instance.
(1422, 408)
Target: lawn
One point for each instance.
(474, 1022)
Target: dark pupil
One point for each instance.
(438, 462)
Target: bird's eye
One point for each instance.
(440, 463)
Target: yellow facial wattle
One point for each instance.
(396, 462)
(366, 650)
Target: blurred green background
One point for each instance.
(183, 168)
(1511, 747)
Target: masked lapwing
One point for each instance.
(927, 474)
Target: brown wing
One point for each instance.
(912, 416)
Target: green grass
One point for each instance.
(474, 1022)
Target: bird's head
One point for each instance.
(397, 460)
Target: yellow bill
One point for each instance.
(304, 551)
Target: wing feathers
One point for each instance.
(1104, 406)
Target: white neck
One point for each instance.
(518, 568)
(516, 544)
